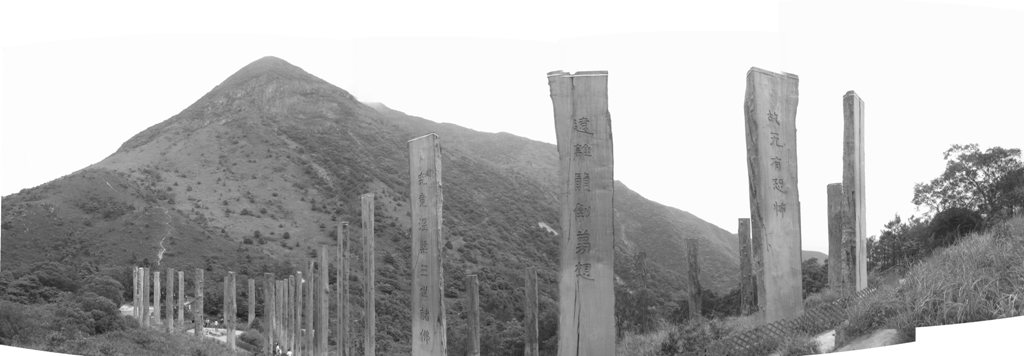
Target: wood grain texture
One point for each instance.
(145, 296)
(251, 305)
(530, 320)
(836, 277)
(268, 310)
(426, 199)
(181, 299)
(169, 300)
(197, 304)
(586, 174)
(341, 330)
(323, 289)
(473, 315)
(156, 297)
(370, 270)
(770, 124)
(230, 310)
(853, 184)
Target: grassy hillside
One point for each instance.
(981, 277)
(259, 172)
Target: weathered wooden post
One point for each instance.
(197, 304)
(693, 271)
(369, 291)
(230, 310)
(323, 318)
(310, 291)
(169, 309)
(586, 280)
(836, 278)
(145, 296)
(342, 282)
(136, 292)
(156, 297)
(746, 277)
(268, 311)
(181, 299)
(279, 288)
(473, 317)
(770, 115)
(426, 198)
(855, 211)
(532, 344)
(291, 312)
(297, 326)
(251, 305)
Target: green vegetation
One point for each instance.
(979, 278)
(45, 308)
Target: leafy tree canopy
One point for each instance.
(982, 181)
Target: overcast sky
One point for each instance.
(77, 83)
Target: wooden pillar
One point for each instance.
(297, 327)
(323, 317)
(169, 301)
(156, 297)
(230, 310)
(746, 271)
(342, 297)
(586, 276)
(307, 340)
(290, 310)
(268, 311)
(770, 116)
(279, 289)
(855, 217)
(532, 343)
(836, 278)
(181, 299)
(145, 296)
(693, 271)
(369, 290)
(473, 315)
(136, 291)
(197, 304)
(251, 305)
(426, 198)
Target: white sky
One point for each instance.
(78, 80)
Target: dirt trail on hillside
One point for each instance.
(160, 255)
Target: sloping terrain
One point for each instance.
(258, 173)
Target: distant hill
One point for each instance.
(806, 255)
(258, 172)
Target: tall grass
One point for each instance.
(979, 278)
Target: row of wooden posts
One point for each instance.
(770, 241)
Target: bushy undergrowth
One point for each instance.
(979, 278)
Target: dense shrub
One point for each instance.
(106, 287)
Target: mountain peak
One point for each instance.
(267, 66)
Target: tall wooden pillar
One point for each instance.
(369, 290)
(268, 310)
(251, 305)
(310, 291)
(146, 287)
(426, 198)
(136, 291)
(169, 301)
(586, 304)
(230, 309)
(323, 317)
(342, 286)
(473, 316)
(770, 116)
(197, 304)
(532, 343)
(181, 299)
(855, 213)
(156, 297)
(297, 325)
(836, 277)
(693, 271)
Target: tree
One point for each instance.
(974, 180)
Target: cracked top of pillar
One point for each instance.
(582, 73)
(768, 72)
